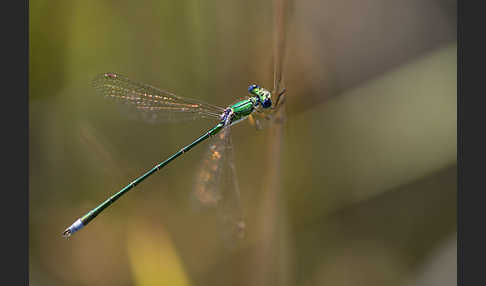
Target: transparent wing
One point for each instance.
(217, 187)
(153, 104)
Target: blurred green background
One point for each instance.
(368, 176)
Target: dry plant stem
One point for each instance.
(271, 263)
(271, 212)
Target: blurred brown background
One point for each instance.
(368, 176)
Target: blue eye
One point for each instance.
(267, 103)
(252, 87)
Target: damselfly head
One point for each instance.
(264, 97)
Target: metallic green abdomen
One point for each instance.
(242, 109)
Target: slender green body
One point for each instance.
(96, 211)
(232, 114)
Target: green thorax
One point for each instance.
(242, 109)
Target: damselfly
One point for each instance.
(155, 103)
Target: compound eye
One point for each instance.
(252, 87)
(267, 103)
